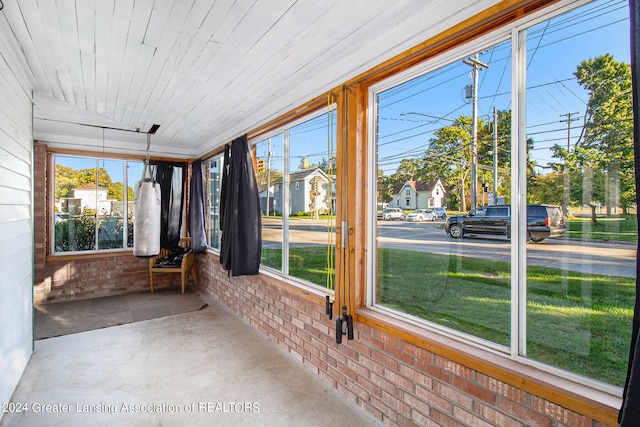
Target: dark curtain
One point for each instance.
(240, 215)
(197, 209)
(630, 411)
(171, 178)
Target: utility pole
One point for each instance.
(566, 190)
(268, 174)
(495, 156)
(569, 120)
(474, 63)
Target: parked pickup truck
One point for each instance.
(542, 221)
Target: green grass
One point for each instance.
(617, 227)
(307, 263)
(575, 321)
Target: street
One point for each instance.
(611, 259)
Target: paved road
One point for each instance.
(614, 259)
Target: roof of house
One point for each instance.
(89, 187)
(301, 175)
(418, 186)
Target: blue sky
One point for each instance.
(115, 168)
(555, 48)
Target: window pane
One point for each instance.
(82, 197)
(425, 146)
(215, 167)
(581, 284)
(270, 159)
(110, 204)
(75, 204)
(311, 195)
(134, 174)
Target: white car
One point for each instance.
(440, 213)
(420, 215)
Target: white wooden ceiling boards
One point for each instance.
(206, 71)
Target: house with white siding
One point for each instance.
(418, 195)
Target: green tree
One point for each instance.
(66, 179)
(385, 187)
(603, 155)
(448, 157)
(88, 176)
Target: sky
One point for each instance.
(555, 49)
(115, 168)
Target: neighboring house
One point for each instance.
(88, 197)
(418, 195)
(267, 199)
(308, 191)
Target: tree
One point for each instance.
(448, 157)
(385, 187)
(66, 179)
(603, 155)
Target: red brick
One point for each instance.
(416, 376)
(385, 360)
(393, 401)
(453, 395)
(434, 399)
(528, 416)
(372, 365)
(445, 419)
(559, 413)
(474, 390)
(399, 380)
(433, 371)
(400, 355)
(418, 352)
(455, 368)
(471, 419)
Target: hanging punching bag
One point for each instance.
(146, 217)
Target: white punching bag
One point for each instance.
(146, 218)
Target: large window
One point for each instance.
(213, 170)
(93, 207)
(525, 140)
(296, 179)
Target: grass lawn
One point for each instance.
(617, 227)
(578, 322)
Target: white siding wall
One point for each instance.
(16, 213)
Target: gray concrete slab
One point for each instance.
(195, 369)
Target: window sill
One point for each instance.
(597, 404)
(65, 256)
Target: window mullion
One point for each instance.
(125, 208)
(285, 202)
(518, 191)
(97, 225)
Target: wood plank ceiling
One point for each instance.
(207, 71)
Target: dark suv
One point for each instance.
(542, 221)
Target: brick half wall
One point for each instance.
(397, 382)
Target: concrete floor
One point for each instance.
(201, 368)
